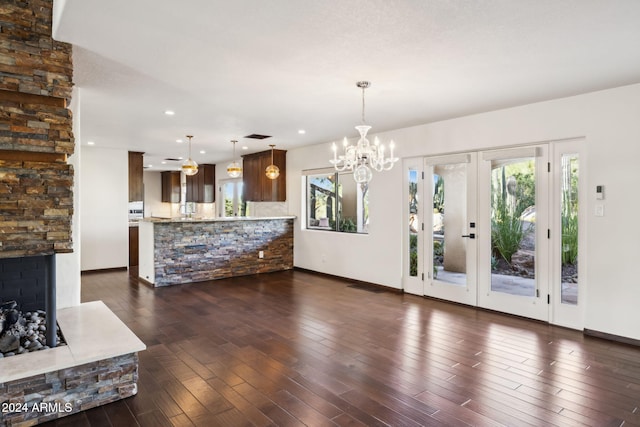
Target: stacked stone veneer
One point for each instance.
(197, 251)
(40, 398)
(36, 198)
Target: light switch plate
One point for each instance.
(599, 211)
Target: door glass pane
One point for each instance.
(227, 192)
(413, 223)
(569, 212)
(232, 198)
(449, 223)
(513, 224)
(240, 197)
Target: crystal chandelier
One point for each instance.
(272, 171)
(363, 157)
(234, 170)
(190, 167)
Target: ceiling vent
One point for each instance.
(172, 160)
(257, 136)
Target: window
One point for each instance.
(335, 202)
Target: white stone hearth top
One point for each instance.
(92, 331)
(235, 218)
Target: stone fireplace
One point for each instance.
(36, 211)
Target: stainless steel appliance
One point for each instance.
(136, 211)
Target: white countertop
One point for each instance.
(218, 219)
(92, 333)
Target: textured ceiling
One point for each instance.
(232, 68)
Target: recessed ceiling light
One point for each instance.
(163, 162)
(149, 166)
(179, 141)
(180, 158)
(202, 152)
(169, 112)
(91, 143)
(244, 147)
(302, 131)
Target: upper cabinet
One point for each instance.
(200, 187)
(136, 188)
(170, 187)
(259, 188)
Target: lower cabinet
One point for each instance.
(133, 246)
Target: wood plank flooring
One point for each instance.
(295, 348)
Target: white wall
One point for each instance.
(104, 195)
(373, 257)
(609, 121)
(68, 265)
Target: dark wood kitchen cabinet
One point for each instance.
(257, 187)
(200, 187)
(136, 188)
(133, 246)
(170, 187)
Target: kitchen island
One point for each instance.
(176, 251)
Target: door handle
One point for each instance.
(470, 235)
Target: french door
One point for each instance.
(451, 243)
(231, 201)
(498, 229)
(513, 202)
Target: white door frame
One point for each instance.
(568, 315)
(413, 284)
(547, 304)
(535, 306)
(236, 195)
(467, 293)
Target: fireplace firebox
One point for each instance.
(31, 282)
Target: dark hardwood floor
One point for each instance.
(295, 348)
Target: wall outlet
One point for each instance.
(261, 254)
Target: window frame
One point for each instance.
(361, 203)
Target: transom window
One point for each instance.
(335, 202)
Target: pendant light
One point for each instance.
(272, 170)
(234, 170)
(190, 167)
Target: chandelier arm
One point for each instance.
(341, 168)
